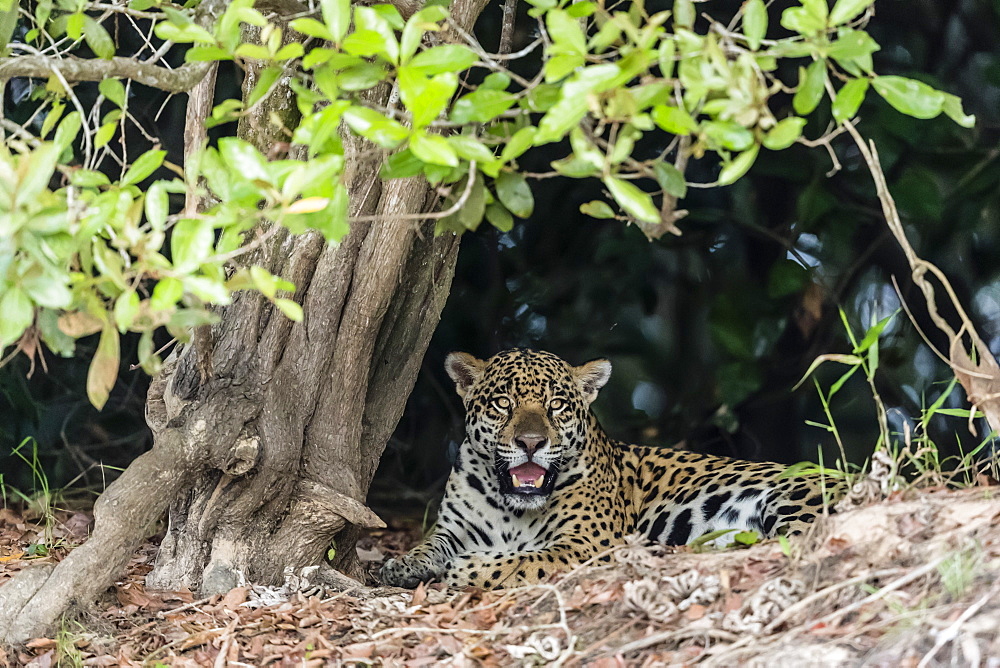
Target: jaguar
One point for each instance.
(537, 486)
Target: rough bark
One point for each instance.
(266, 432)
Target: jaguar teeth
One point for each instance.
(517, 483)
(538, 482)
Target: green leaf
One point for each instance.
(853, 45)
(18, 314)
(425, 98)
(572, 104)
(191, 242)
(52, 118)
(849, 99)
(143, 167)
(469, 216)
(191, 32)
(845, 10)
(104, 134)
(953, 109)
(337, 16)
(372, 125)
(312, 28)
(433, 149)
(86, 178)
(157, 205)
(103, 370)
(670, 179)
(807, 19)
(665, 56)
(360, 77)
(785, 133)
(566, 33)
(871, 336)
(499, 217)
(634, 201)
(471, 149)
(113, 90)
(74, 25)
(206, 54)
(684, 13)
(98, 39)
(909, 96)
(448, 58)
(401, 165)
(265, 80)
(47, 289)
(515, 194)
(754, 22)
(369, 20)
(811, 83)
(70, 126)
(365, 43)
(520, 142)
(597, 209)
(481, 105)
(243, 159)
(728, 135)
(167, 292)
(291, 309)
(126, 307)
(739, 166)
(673, 120)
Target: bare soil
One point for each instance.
(913, 580)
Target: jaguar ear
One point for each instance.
(592, 376)
(464, 369)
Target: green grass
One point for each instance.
(909, 459)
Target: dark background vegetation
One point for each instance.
(708, 332)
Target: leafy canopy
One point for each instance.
(637, 95)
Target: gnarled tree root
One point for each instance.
(32, 603)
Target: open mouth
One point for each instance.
(528, 478)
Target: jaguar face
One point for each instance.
(527, 413)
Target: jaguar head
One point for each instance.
(527, 413)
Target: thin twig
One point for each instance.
(427, 216)
(950, 633)
(823, 593)
(881, 593)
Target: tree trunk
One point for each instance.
(267, 432)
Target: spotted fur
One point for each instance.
(529, 411)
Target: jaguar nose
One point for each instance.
(530, 442)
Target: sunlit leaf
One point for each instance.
(785, 133)
(633, 200)
(811, 84)
(845, 10)
(433, 149)
(739, 166)
(18, 314)
(909, 96)
(849, 99)
(143, 167)
(597, 209)
(754, 22)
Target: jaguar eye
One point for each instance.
(501, 403)
(557, 405)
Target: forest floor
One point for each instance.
(913, 580)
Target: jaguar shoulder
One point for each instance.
(538, 486)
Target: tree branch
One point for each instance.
(74, 69)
